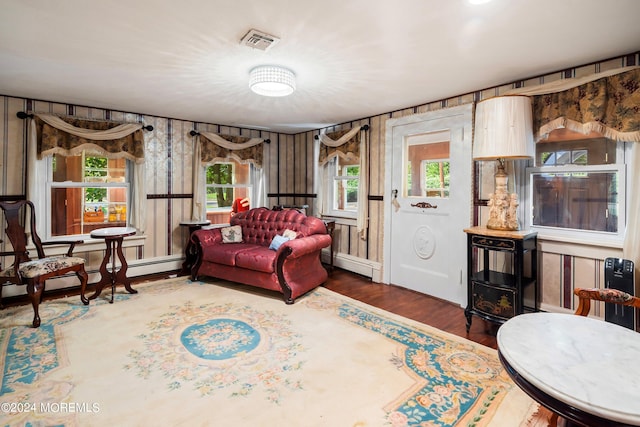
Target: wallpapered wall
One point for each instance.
(562, 266)
(288, 167)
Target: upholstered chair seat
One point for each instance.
(20, 217)
(40, 267)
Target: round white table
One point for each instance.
(113, 237)
(581, 368)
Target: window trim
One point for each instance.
(249, 186)
(423, 180)
(332, 177)
(50, 184)
(576, 235)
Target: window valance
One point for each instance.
(350, 144)
(610, 106)
(50, 135)
(68, 137)
(608, 103)
(215, 148)
(344, 143)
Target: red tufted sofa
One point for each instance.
(293, 269)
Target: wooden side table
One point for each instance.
(190, 250)
(331, 226)
(494, 294)
(113, 237)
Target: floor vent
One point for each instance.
(258, 40)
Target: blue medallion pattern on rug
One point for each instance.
(229, 348)
(220, 339)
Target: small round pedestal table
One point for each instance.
(113, 237)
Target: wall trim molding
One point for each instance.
(357, 265)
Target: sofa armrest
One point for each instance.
(304, 245)
(206, 237)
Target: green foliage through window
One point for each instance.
(221, 174)
(95, 167)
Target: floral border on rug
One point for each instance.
(32, 352)
(457, 382)
(212, 348)
(29, 355)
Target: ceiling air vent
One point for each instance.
(259, 40)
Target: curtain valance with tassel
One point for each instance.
(350, 144)
(344, 143)
(610, 106)
(215, 148)
(608, 103)
(72, 136)
(51, 135)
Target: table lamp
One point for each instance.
(503, 131)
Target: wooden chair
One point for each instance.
(34, 272)
(609, 295)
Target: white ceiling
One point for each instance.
(353, 58)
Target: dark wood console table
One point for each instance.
(190, 250)
(495, 294)
(331, 226)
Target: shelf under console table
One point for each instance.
(502, 271)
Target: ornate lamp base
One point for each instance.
(503, 207)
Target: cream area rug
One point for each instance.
(182, 353)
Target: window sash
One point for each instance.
(577, 233)
(234, 185)
(51, 185)
(335, 180)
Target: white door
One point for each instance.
(428, 183)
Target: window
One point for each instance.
(577, 186)
(342, 197)
(427, 166)
(86, 192)
(226, 182)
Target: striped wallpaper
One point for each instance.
(289, 166)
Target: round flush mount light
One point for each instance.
(272, 80)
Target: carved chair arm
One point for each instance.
(72, 244)
(609, 295)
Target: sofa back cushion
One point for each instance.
(260, 225)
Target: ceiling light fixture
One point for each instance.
(272, 80)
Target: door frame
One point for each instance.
(388, 197)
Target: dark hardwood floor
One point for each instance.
(432, 311)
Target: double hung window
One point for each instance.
(85, 192)
(225, 182)
(578, 186)
(342, 191)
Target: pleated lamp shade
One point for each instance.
(504, 129)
